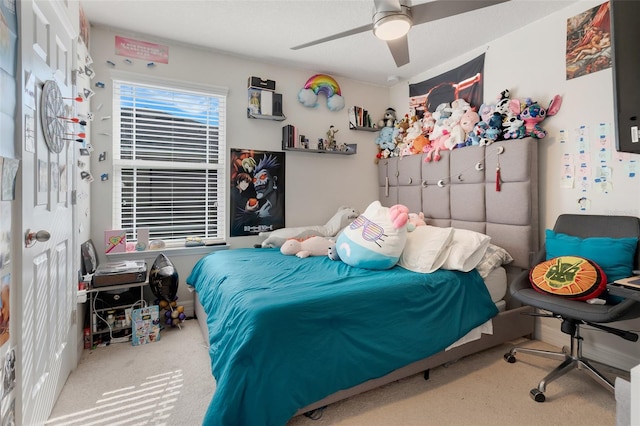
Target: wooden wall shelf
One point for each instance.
(352, 149)
(364, 129)
(267, 117)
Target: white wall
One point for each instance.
(316, 184)
(530, 62)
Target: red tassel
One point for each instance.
(497, 179)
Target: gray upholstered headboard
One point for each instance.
(460, 191)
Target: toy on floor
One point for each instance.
(173, 313)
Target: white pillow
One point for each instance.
(467, 249)
(426, 248)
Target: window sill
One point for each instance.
(169, 251)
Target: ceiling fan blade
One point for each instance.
(439, 9)
(399, 50)
(362, 29)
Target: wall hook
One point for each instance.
(479, 166)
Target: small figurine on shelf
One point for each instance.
(320, 144)
(331, 140)
(254, 101)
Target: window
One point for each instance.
(169, 159)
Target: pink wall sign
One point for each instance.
(142, 50)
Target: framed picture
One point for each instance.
(257, 191)
(588, 42)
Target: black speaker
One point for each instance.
(277, 104)
(625, 33)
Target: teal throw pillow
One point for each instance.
(614, 255)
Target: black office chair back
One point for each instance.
(583, 226)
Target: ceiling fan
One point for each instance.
(393, 19)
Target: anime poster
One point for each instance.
(257, 191)
(464, 82)
(588, 42)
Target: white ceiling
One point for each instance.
(265, 30)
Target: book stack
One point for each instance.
(289, 137)
(359, 117)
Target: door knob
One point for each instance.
(30, 237)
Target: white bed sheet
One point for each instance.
(496, 283)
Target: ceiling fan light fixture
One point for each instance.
(392, 25)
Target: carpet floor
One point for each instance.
(169, 382)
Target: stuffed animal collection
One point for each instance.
(444, 129)
(457, 124)
(511, 119)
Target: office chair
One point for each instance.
(574, 313)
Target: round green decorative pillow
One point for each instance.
(571, 277)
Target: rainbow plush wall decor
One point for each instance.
(321, 83)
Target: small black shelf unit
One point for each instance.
(118, 298)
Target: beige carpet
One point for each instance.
(169, 383)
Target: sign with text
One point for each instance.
(142, 50)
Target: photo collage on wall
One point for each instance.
(257, 191)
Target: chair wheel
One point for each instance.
(536, 395)
(510, 358)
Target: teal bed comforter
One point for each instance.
(285, 332)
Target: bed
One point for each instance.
(290, 335)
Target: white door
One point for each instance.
(46, 342)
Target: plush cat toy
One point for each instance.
(376, 238)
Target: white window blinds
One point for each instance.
(169, 159)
